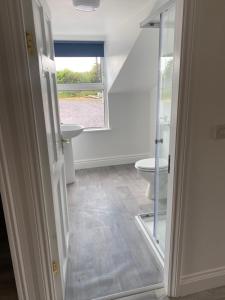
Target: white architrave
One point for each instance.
(23, 181)
(185, 16)
(186, 10)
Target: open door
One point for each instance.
(42, 72)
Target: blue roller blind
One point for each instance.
(79, 49)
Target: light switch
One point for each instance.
(220, 132)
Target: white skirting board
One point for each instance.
(202, 281)
(109, 161)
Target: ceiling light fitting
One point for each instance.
(86, 5)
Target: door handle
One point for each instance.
(160, 141)
(65, 141)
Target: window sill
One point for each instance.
(97, 129)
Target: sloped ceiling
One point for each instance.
(66, 20)
(139, 72)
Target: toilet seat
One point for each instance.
(148, 165)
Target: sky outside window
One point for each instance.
(76, 64)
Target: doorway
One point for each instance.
(117, 234)
(105, 253)
(110, 188)
(53, 138)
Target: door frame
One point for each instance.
(186, 11)
(21, 176)
(184, 44)
(183, 48)
(25, 181)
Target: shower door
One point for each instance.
(167, 32)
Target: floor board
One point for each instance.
(108, 254)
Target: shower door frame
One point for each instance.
(151, 237)
(159, 139)
(183, 49)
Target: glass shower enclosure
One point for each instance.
(154, 223)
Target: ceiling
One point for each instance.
(67, 21)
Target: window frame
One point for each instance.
(71, 87)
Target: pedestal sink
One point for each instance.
(68, 133)
(71, 131)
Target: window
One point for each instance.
(80, 83)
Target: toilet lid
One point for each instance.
(149, 164)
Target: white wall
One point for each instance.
(203, 255)
(139, 73)
(131, 110)
(120, 41)
(129, 135)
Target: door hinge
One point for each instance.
(30, 43)
(55, 267)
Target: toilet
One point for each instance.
(146, 169)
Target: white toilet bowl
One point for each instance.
(146, 169)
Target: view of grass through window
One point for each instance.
(80, 91)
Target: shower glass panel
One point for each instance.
(167, 33)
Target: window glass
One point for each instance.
(78, 70)
(81, 91)
(85, 108)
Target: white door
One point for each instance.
(58, 217)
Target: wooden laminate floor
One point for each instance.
(108, 254)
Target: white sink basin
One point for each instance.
(71, 131)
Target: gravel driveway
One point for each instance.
(87, 112)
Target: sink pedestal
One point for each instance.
(69, 162)
(68, 133)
